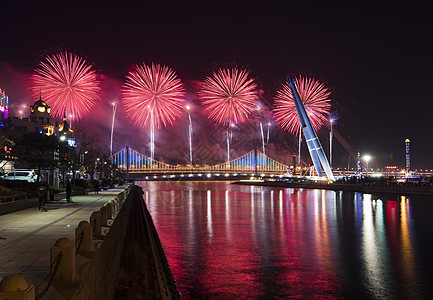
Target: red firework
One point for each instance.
(153, 94)
(315, 97)
(66, 84)
(228, 96)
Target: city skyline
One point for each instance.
(376, 62)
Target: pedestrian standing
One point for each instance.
(42, 197)
(96, 186)
(68, 191)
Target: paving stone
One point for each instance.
(26, 236)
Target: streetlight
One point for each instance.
(152, 134)
(333, 116)
(263, 138)
(188, 108)
(96, 166)
(269, 126)
(112, 126)
(229, 138)
(331, 121)
(367, 159)
(299, 145)
(261, 129)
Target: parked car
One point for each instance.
(27, 175)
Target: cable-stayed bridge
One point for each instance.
(253, 162)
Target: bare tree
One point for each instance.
(85, 140)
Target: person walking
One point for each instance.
(68, 191)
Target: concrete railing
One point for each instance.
(131, 262)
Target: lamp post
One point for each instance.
(332, 118)
(83, 163)
(229, 138)
(331, 121)
(71, 118)
(367, 159)
(263, 138)
(261, 129)
(152, 135)
(188, 108)
(95, 172)
(269, 127)
(299, 145)
(112, 127)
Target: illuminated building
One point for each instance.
(391, 171)
(40, 117)
(39, 121)
(4, 106)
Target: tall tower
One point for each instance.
(407, 141)
(358, 163)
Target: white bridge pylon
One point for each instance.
(253, 162)
(314, 147)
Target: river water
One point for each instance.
(228, 241)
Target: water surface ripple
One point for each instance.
(228, 241)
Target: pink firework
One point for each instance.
(315, 97)
(153, 96)
(229, 96)
(67, 84)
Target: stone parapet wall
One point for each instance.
(130, 263)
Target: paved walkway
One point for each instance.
(26, 236)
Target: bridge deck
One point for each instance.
(252, 162)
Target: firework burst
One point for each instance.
(153, 96)
(67, 84)
(228, 96)
(315, 97)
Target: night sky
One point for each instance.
(377, 60)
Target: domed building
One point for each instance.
(39, 121)
(40, 117)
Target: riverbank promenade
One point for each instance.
(26, 236)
